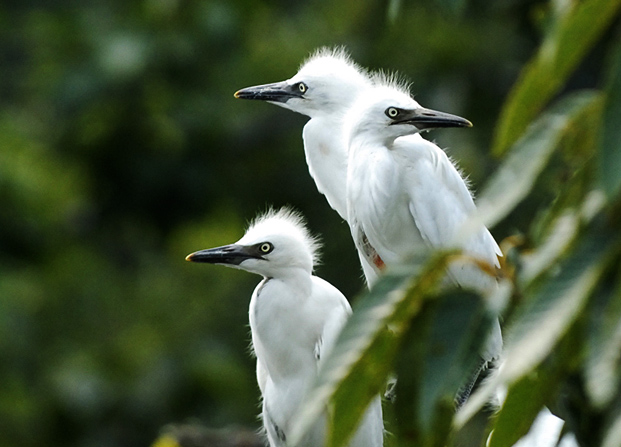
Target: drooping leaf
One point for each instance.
(610, 155)
(561, 51)
(545, 317)
(514, 179)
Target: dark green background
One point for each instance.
(122, 150)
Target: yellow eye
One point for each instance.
(302, 87)
(392, 112)
(266, 247)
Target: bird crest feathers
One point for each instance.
(335, 60)
(391, 80)
(286, 221)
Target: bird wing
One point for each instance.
(440, 201)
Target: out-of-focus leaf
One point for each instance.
(520, 409)
(561, 51)
(439, 354)
(613, 425)
(515, 178)
(562, 233)
(526, 397)
(602, 365)
(393, 10)
(609, 154)
(392, 302)
(544, 319)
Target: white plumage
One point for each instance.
(404, 194)
(324, 88)
(295, 318)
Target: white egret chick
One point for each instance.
(295, 318)
(404, 193)
(324, 88)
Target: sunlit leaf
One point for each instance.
(610, 155)
(561, 51)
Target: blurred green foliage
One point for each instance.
(558, 293)
(122, 150)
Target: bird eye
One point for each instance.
(392, 112)
(302, 87)
(266, 247)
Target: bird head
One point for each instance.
(273, 244)
(328, 82)
(387, 112)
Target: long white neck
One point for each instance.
(281, 338)
(326, 156)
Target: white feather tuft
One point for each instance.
(392, 80)
(287, 221)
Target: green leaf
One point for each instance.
(528, 396)
(364, 350)
(545, 317)
(613, 425)
(520, 409)
(515, 178)
(610, 155)
(563, 232)
(440, 353)
(561, 51)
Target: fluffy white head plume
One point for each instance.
(391, 80)
(333, 62)
(284, 223)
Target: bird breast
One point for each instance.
(378, 207)
(283, 336)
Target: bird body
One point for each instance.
(405, 195)
(411, 198)
(295, 318)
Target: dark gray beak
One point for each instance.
(228, 254)
(424, 119)
(276, 92)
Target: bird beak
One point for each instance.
(424, 119)
(276, 92)
(228, 254)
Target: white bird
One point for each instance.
(295, 318)
(324, 88)
(405, 195)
